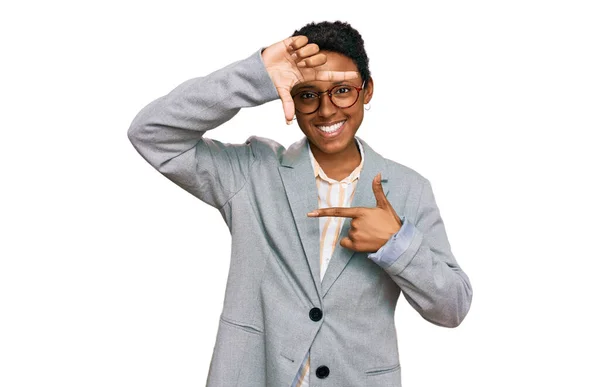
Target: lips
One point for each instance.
(330, 130)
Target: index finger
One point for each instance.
(335, 76)
(342, 212)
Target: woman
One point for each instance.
(325, 234)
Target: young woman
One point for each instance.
(325, 234)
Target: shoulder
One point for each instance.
(397, 173)
(403, 173)
(408, 189)
(404, 182)
(265, 148)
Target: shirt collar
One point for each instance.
(318, 171)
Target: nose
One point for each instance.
(326, 107)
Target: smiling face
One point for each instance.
(331, 129)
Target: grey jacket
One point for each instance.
(266, 326)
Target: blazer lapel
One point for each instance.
(363, 197)
(300, 186)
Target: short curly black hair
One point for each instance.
(339, 37)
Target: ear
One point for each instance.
(369, 90)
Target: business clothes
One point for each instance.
(276, 305)
(330, 193)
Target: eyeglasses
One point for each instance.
(342, 96)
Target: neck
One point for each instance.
(338, 165)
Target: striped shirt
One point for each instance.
(331, 193)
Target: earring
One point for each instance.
(368, 106)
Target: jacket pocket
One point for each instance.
(243, 326)
(238, 358)
(388, 376)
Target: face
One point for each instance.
(318, 126)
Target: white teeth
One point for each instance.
(331, 128)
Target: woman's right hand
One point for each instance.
(292, 61)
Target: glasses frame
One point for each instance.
(328, 92)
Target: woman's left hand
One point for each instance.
(370, 228)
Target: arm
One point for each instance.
(168, 132)
(416, 256)
(419, 259)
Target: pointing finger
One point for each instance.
(343, 212)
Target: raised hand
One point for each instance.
(370, 228)
(292, 61)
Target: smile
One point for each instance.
(331, 130)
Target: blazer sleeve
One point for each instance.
(169, 132)
(425, 268)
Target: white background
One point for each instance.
(102, 279)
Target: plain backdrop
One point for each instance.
(111, 275)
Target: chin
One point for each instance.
(332, 146)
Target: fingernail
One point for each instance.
(288, 122)
(313, 213)
(301, 64)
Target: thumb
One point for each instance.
(382, 201)
(288, 104)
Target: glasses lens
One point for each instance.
(344, 96)
(306, 101)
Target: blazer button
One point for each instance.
(315, 314)
(322, 372)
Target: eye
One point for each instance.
(342, 90)
(308, 95)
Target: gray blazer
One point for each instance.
(266, 326)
